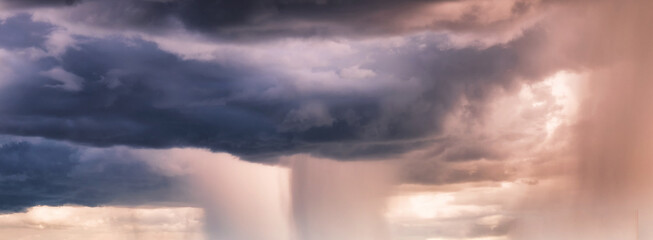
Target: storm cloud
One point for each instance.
(36, 3)
(254, 20)
(128, 91)
(50, 173)
(342, 119)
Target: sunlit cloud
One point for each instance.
(325, 120)
(76, 222)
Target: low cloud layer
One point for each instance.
(104, 223)
(53, 174)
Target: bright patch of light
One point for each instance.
(104, 223)
(428, 205)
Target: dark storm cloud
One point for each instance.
(118, 91)
(37, 3)
(262, 19)
(50, 173)
(135, 94)
(212, 15)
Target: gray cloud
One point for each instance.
(51, 173)
(455, 228)
(253, 20)
(37, 3)
(133, 93)
(19, 32)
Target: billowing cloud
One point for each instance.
(260, 19)
(474, 107)
(127, 91)
(50, 173)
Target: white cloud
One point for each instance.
(103, 223)
(356, 72)
(58, 42)
(69, 81)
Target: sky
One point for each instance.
(326, 119)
